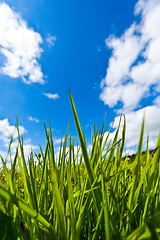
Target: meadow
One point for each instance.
(96, 195)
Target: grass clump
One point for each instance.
(82, 196)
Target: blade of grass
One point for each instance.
(59, 208)
(105, 207)
(135, 176)
(83, 146)
(85, 153)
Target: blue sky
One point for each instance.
(106, 52)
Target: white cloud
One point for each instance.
(33, 119)
(134, 66)
(27, 148)
(7, 130)
(51, 40)
(134, 123)
(4, 156)
(21, 47)
(51, 96)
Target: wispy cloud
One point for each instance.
(51, 96)
(33, 119)
(157, 101)
(134, 66)
(21, 47)
(51, 40)
(58, 140)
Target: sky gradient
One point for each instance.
(107, 53)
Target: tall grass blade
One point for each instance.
(82, 142)
(85, 153)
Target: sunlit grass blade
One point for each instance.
(32, 180)
(106, 210)
(136, 173)
(155, 160)
(123, 138)
(59, 208)
(84, 151)
(112, 150)
(40, 193)
(105, 142)
(82, 142)
(62, 166)
(74, 234)
(25, 171)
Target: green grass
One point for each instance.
(96, 195)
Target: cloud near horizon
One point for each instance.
(133, 127)
(20, 45)
(6, 132)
